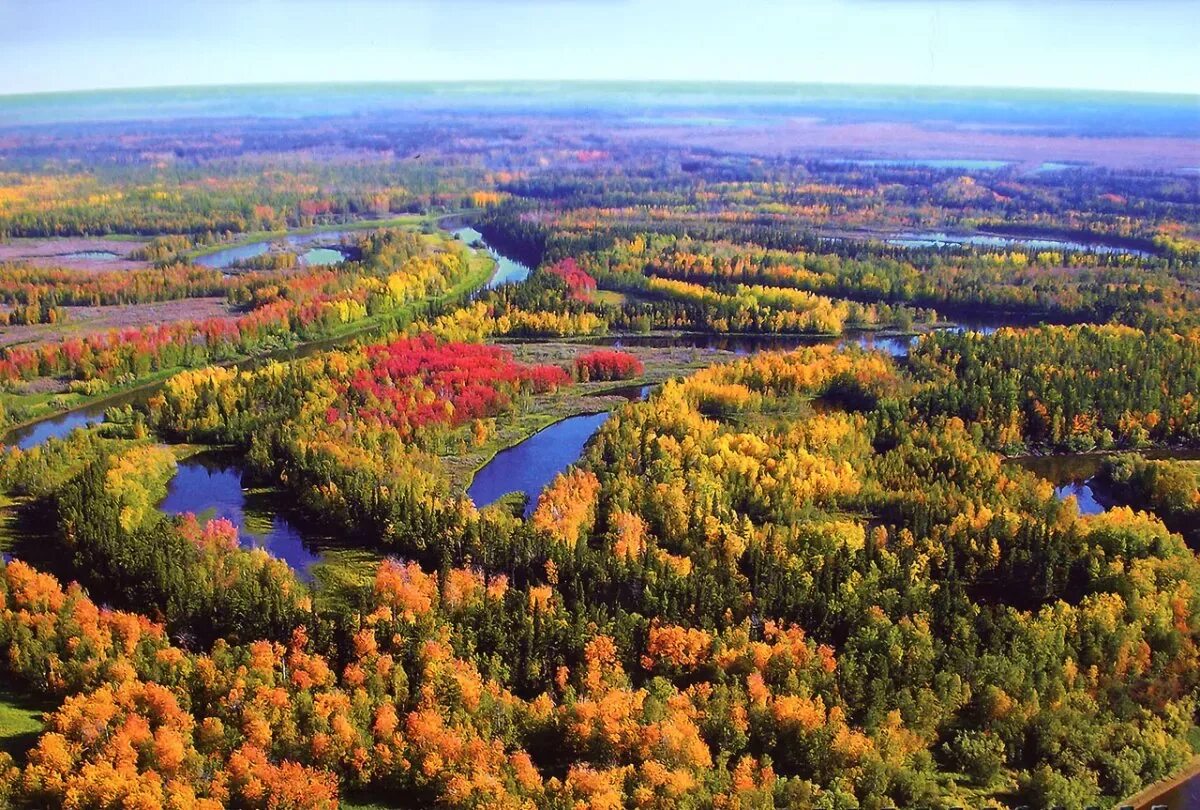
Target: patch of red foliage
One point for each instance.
(415, 382)
(606, 364)
(580, 284)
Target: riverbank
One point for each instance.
(1178, 792)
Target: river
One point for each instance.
(508, 271)
(937, 239)
(323, 248)
(1182, 796)
(1074, 474)
(895, 345)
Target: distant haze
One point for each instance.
(1106, 44)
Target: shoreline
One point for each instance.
(1152, 793)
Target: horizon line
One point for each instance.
(758, 83)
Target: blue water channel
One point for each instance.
(210, 485)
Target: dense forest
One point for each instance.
(798, 563)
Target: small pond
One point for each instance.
(322, 256)
(210, 485)
(95, 255)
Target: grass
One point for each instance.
(341, 574)
(610, 297)
(20, 722)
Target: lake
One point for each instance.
(529, 466)
(210, 485)
(324, 249)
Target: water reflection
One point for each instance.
(529, 466)
(323, 252)
(508, 271)
(1085, 496)
(210, 486)
(894, 345)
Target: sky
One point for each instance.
(1139, 45)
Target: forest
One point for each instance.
(772, 535)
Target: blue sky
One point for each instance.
(1105, 44)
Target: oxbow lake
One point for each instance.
(324, 250)
(211, 485)
(529, 466)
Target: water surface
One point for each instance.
(1184, 796)
(529, 466)
(58, 427)
(894, 345)
(938, 239)
(508, 271)
(210, 485)
(1077, 474)
(321, 256)
(323, 242)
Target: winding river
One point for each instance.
(508, 271)
(322, 248)
(209, 484)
